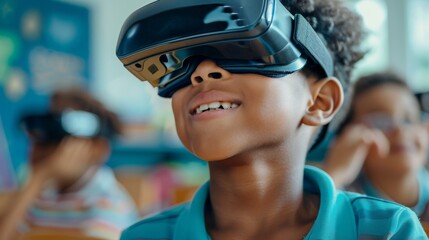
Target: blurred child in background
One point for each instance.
(382, 145)
(69, 188)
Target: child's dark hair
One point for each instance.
(79, 99)
(342, 32)
(366, 83)
(340, 28)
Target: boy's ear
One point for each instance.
(326, 99)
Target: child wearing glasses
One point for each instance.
(381, 149)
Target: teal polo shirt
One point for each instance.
(342, 215)
(363, 185)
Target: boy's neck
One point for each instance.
(251, 195)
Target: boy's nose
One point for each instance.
(206, 71)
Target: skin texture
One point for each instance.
(390, 159)
(256, 151)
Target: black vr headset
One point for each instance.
(164, 41)
(51, 127)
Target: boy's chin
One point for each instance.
(211, 154)
(213, 149)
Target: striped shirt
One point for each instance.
(101, 208)
(342, 215)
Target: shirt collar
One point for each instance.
(335, 219)
(191, 222)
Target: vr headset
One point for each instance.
(164, 42)
(52, 127)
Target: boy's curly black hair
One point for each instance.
(340, 28)
(342, 32)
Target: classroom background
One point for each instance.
(48, 44)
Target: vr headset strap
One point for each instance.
(307, 39)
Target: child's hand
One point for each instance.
(349, 151)
(69, 161)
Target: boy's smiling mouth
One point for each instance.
(214, 106)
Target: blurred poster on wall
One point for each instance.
(44, 45)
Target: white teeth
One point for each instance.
(215, 106)
(226, 105)
(204, 107)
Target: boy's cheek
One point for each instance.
(180, 129)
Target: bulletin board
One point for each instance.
(44, 45)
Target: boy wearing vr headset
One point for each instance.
(251, 82)
(69, 189)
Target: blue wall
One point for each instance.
(44, 45)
